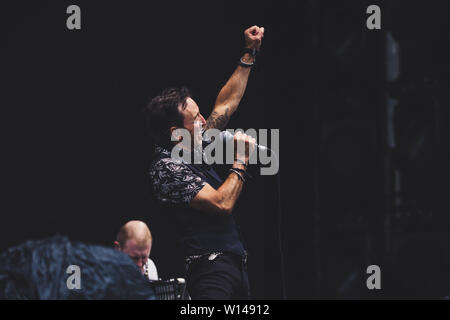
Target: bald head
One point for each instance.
(134, 230)
(134, 239)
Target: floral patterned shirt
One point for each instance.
(173, 181)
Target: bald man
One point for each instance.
(135, 240)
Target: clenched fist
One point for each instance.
(253, 37)
(244, 146)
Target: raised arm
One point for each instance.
(231, 94)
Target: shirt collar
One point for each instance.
(164, 151)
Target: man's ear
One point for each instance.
(172, 129)
(117, 245)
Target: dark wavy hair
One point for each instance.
(163, 112)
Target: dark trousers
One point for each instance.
(224, 278)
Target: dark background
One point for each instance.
(76, 151)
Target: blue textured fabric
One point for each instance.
(37, 270)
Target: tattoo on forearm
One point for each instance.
(217, 120)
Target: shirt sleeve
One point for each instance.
(151, 271)
(173, 182)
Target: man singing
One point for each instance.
(202, 202)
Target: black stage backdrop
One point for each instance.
(76, 151)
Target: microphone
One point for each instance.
(225, 136)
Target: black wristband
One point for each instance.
(238, 174)
(246, 174)
(253, 52)
(246, 65)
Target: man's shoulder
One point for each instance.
(168, 164)
(163, 160)
(174, 182)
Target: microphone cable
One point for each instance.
(279, 228)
